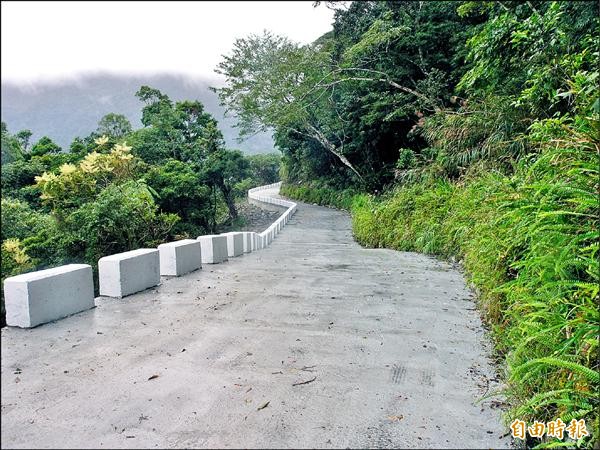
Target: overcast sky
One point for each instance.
(52, 40)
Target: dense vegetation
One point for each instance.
(120, 189)
(467, 130)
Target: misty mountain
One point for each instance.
(69, 108)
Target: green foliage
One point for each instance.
(18, 178)
(489, 131)
(224, 169)
(122, 217)
(536, 47)
(381, 34)
(114, 125)
(45, 146)
(11, 147)
(342, 107)
(179, 191)
(19, 220)
(321, 194)
(264, 168)
(180, 130)
(96, 207)
(81, 183)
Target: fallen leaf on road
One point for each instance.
(396, 418)
(263, 406)
(304, 382)
(152, 377)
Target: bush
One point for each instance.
(320, 193)
(123, 217)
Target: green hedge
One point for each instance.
(320, 193)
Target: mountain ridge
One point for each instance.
(67, 108)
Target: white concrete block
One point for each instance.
(35, 298)
(129, 272)
(268, 238)
(247, 241)
(180, 257)
(214, 248)
(235, 243)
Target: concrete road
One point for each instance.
(313, 342)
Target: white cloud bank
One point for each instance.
(42, 41)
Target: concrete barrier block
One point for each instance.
(247, 241)
(268, 238)
(180, 257)
(235, 243)
(129, 272)
(35, 298)
(214, 248)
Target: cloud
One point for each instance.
(52, 40)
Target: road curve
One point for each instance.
(311, 342)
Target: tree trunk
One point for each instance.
(229, 200)
(333, 149)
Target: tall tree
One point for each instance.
(223, 169)
(45, 146)
(11, 146)
(114, 125)
(181, 130)
(357, 91)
